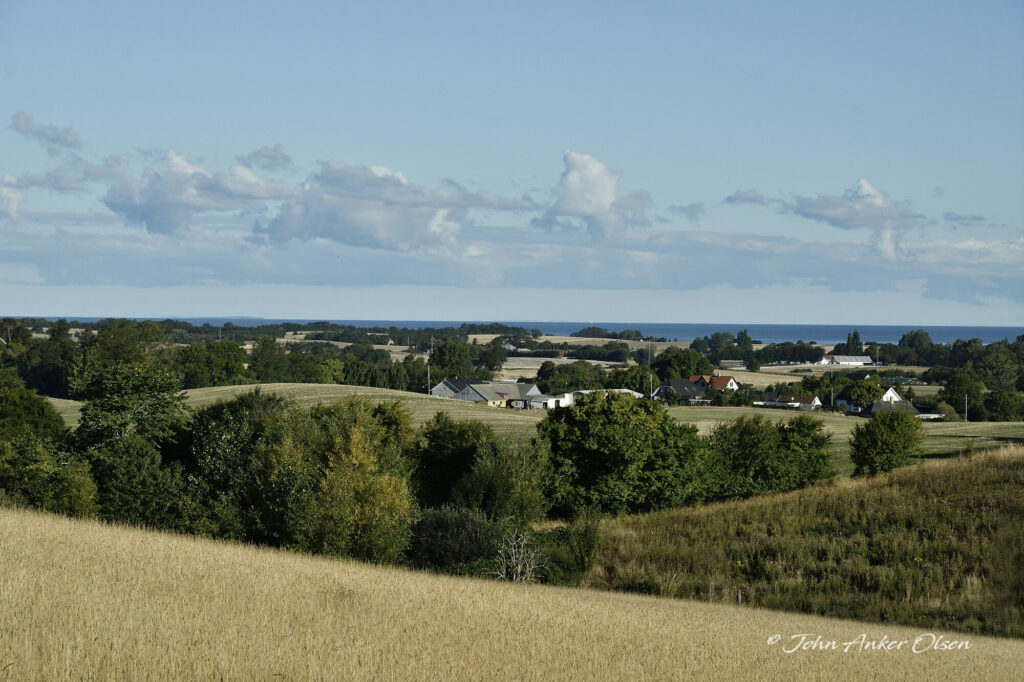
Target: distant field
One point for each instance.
(942, 438)
(123, 603)
(422, 406)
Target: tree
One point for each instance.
(33, 474)
(451, 359)
(960, 386)
(864, 392)
(444, 454)
(754, 455)
(614, 453)
(886, 442)
(123, 398)
(268, 361)
(679, 363)
(22, 411)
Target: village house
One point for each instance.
(843, 400)
(789, 401)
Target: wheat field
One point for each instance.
(84, 600)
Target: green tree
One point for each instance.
(22, 410)
(963, 385)
(122, 398)
(887, 441)
(451, 359)
(444, 454)
(34, 475)
(755, 455)
(268, 361)
(865, 392)
(680, 363)
(614, 453)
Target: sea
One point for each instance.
(761, 333)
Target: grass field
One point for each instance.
(942, 439)
(936, 545)
(83, 600)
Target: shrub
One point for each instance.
(886, 442)
(505, 481)
(32, 475)
(570, 550)
(611, 452)
(444, 454)
(21, 410)
(453, 539)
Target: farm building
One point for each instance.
(843, 400)
(848, 360)
(793, 402)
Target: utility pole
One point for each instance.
(428, 363)
(965, 405)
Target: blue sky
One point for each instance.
(797, 162)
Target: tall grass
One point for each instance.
(929, 546)
(81, 600)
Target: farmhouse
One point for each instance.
(686, 389)
(793, 402)
(717, 382)
(843, 400)
(880, 406)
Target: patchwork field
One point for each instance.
(124, 603)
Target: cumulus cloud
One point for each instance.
(165, 200)
(589, 192)
(691, 212)
(50, 136)
(745, 196)
(377, 207)
(268, 158)
(863, 207)
(963, 220)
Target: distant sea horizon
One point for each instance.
(826, 334)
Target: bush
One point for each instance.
(571, 550)
(505, 482)
(32, 475)
(22, 410)
(612, 453)
(886, 442)
(753, 455)
(456, 540)
(444, 454)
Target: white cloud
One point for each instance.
(588, 191)
(20, 273)
(377, 207)
(50, 136)
(863, 207)
(166, 201)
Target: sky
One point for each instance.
(736, 162)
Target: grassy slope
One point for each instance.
(130, 604)
(919, 547)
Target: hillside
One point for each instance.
(121, 603)
(933, 545)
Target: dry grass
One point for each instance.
(88, 601)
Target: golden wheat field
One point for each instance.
(84, 600)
